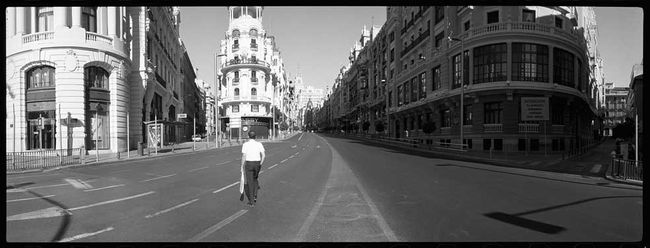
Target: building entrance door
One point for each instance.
(46, 135)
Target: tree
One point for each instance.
(429, 127)
(379, 126)
(365, 126)
(284, 126)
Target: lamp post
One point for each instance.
(217, 83)
(462, 81)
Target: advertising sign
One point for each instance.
(534, 109)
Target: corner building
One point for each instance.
(252, 75)
(509, 53)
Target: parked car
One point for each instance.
(196, 137)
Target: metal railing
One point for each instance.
(38, 37)
(627, 169)
(98, 37)
(528, 128)
(43, 159)
(493, 128)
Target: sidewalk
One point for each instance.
(185, 147)
(593, 163)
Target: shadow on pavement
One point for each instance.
(19, 185)
(67, 218)
(541, 177)
(516, 219)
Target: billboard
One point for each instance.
(534, 109)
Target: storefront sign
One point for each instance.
(534, 109)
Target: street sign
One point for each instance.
(534, 109)
(180, 116)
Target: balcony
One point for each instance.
(246, 98)
(524, 27)
(254, 46)
(493, 128)
(248, 63)
(38, 37)
(528, 128)
(468, 128)
(98, 37)
(415, 42)
(235, 47)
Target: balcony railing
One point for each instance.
(493, 128)
(38, 37)
(528, 128)
(247, 61)
(98, 37)
(521, 27)
(246, 98)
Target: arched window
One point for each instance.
(45, 19)
(253, 32)
(235, 33)
(253, 92)
(89, 19)
(39, 77)
(96, 77)
(236, 91)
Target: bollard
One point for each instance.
(82, 154)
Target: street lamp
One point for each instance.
(462, 82)
(217, 82)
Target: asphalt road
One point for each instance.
(317, 188)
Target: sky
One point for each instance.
(316, 41)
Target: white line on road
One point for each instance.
(156, 178)
(41, 187)
(192, 170)
(293, 146)
(218, 226)
(85, 235)
(292, 156)
(111, 201)
(172, 208)
(283, 161)
(31, 198)
(224, 162)
(107, 187)
(271, 167)
(300, 136)
(297, 153)
(78, 183)
(224, 188)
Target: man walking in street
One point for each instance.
(252, 158)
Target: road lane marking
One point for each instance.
(297, 153)
(292, 156)
(41, 187)
(283, 161)
(111, 201)
(300, 136)
(78, 183)
(156, 178)
(262, 171)
(192, 170)
(224, 188)
(107, 187)
(85, 235)
(271, 167)
(170, 209)
(218, 226)
(41, 213)
(224, 162)
(293, 146)
(31, 198)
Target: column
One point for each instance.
(102, 18)
(20, 20)
(112, 23)
(76, 17)
(32, 18)
(118, 24)
(60, 16)
(11, 18)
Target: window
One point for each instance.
(529, 62)
(527, 15)
(580, 77)
(562, 67)
(493, 17)
(235, 33)
(400, 95)
(407, 92)
(391, 36)
(423, 85)
(498, 144)
(235, 108)
(440, 13)
(253, 76)
(445, 118)
(457, 71)
(521, 145)
(467, 115)
(557, 114)
(255, 108)
(493, 112)
(435, 82)
(99, 127)
(466, 25)
(534, 144)
(558, 22)
(253, 92)
(490, 63)
(40, 77)
(253, 43)
(45, 19)
(89, 19)
(438, 39)
(236, 91)
(253, 32)
(390, 98)
(487, 143)
(392, 54)
(96, 77)
(414, 89)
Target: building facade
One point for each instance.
(635, 103)
(512, 57)
(252, 78)
(78, 76)
(616, 107)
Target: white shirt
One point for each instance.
(252, 149)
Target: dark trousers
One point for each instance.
(252, 170)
